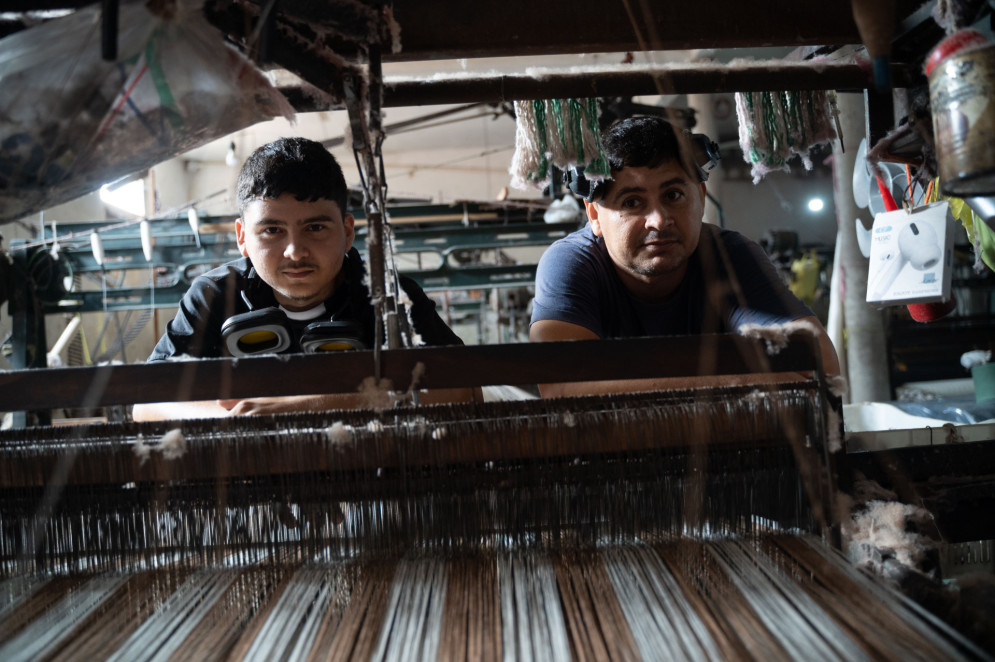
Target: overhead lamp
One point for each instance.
(816, 204)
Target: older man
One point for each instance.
(646, 265)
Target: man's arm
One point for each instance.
(167, 411)
(160, 411)
(302, 403)
(553, 330)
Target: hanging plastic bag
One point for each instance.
(71, 122)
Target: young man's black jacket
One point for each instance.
(236, 288)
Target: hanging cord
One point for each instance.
(364, 102)
(774, 127)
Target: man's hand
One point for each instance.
(159, 411)
(277, 405)
(552, 330)
(293, 403)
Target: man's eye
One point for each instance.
(674, 194)
(630, 203)
(316, 227)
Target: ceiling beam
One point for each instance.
(433, 29)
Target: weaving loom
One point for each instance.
(676, 525)
(671, 525)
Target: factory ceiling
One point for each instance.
(321, 42)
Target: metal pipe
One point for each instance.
(671, 79)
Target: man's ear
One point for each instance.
(240, 237)
(592, 216)
(349, 225)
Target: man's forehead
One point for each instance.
(288, 209)
(646, 177)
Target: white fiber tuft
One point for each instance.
(880, 530)
(376, 396)
(838, 385)
(174, 444)
(142, 449)
(339, 434)
(776, 335)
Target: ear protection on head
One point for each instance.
(705, 156)
(581, 186)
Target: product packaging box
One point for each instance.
(911, 257)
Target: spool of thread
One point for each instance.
(875, 21)
(145, 231)
(194, 220)
(97, 248)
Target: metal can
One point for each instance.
(961, 90)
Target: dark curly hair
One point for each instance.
(299, 166)
(644, 142)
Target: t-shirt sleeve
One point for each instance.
(767, 298)
(567, 287)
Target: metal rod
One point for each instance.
(670, 79)
(681, 78)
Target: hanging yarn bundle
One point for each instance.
(560, 132)
(776, 126)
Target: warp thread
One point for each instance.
(774, 127)
(559, 132)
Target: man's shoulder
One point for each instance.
(578, 246)
(241, 267)
(581, 239)
(725, 235)
(734, 243)
(235, 273)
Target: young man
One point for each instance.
(298, 264)
(646, 265)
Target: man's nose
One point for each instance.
(658, 218)
(295, 249)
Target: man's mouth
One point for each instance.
(297, 270)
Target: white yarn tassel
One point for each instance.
(527, 157)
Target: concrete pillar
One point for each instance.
(865, 350)
(707, 124)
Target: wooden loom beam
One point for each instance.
(445, 367)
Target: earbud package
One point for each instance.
(911, 258)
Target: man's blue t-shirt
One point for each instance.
(729, 282)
